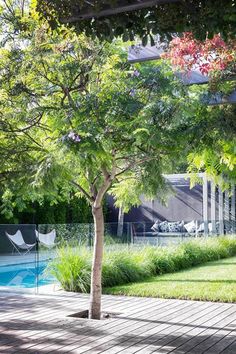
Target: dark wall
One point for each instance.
(185, 204)
(28, 233)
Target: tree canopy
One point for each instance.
(66, 97)
(202, 17)
(79, 108)
(215, 58)
(56, 81)
(209, 56)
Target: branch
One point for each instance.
(109, 177)
(134, 163)
(105, 173)
(128, 156)
(82, 190)
(21, 130)
(32, 139)
(46, 75)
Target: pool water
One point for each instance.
(25, 275)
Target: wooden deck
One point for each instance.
(40, 324)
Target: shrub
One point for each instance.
(124, 264)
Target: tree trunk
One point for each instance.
(96, 276)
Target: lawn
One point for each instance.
(213, 281)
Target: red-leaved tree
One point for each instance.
(210, 57)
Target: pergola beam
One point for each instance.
(213, 207)
(192, 78)
(219, 99)
(221, 212)
(109, 10)
(139, 53)
(205, 203)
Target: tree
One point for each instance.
(108, 19)
(113, 128)
(215, 58)
(215, 153)
(211, 56)
(103, 124)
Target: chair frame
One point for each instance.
(28, 247)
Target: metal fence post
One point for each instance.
(90, 236)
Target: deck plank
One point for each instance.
(180, 329)
(40, 324)
(199, 337)
(231, 349)
(222, 344)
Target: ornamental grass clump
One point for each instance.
(161, 259)
(228, 244)
(124, 264)
(72, 268)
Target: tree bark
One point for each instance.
(96, 276)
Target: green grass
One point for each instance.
(213, 281)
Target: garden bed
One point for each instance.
(129, 264)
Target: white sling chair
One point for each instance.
(18, 242)
(47, 240)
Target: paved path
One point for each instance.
(40, 324)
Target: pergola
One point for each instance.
(226, 207)
(218, 207)
(96, 9)
(139, 53)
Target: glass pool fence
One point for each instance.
(27, 251)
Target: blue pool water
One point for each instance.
(25, 275)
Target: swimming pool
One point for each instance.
(25, 275)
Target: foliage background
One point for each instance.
(149, 110)
(76, 210)
(202, 17)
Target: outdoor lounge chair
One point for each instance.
(47, 240)
(18, 242)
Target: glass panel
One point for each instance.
(111, 233)
(18, 268)
(55, 239)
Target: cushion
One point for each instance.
(210, 227)
(181, 225)
(164, 227)
(155, 227)
(176, 226)
(201, 227)
(190, 227)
